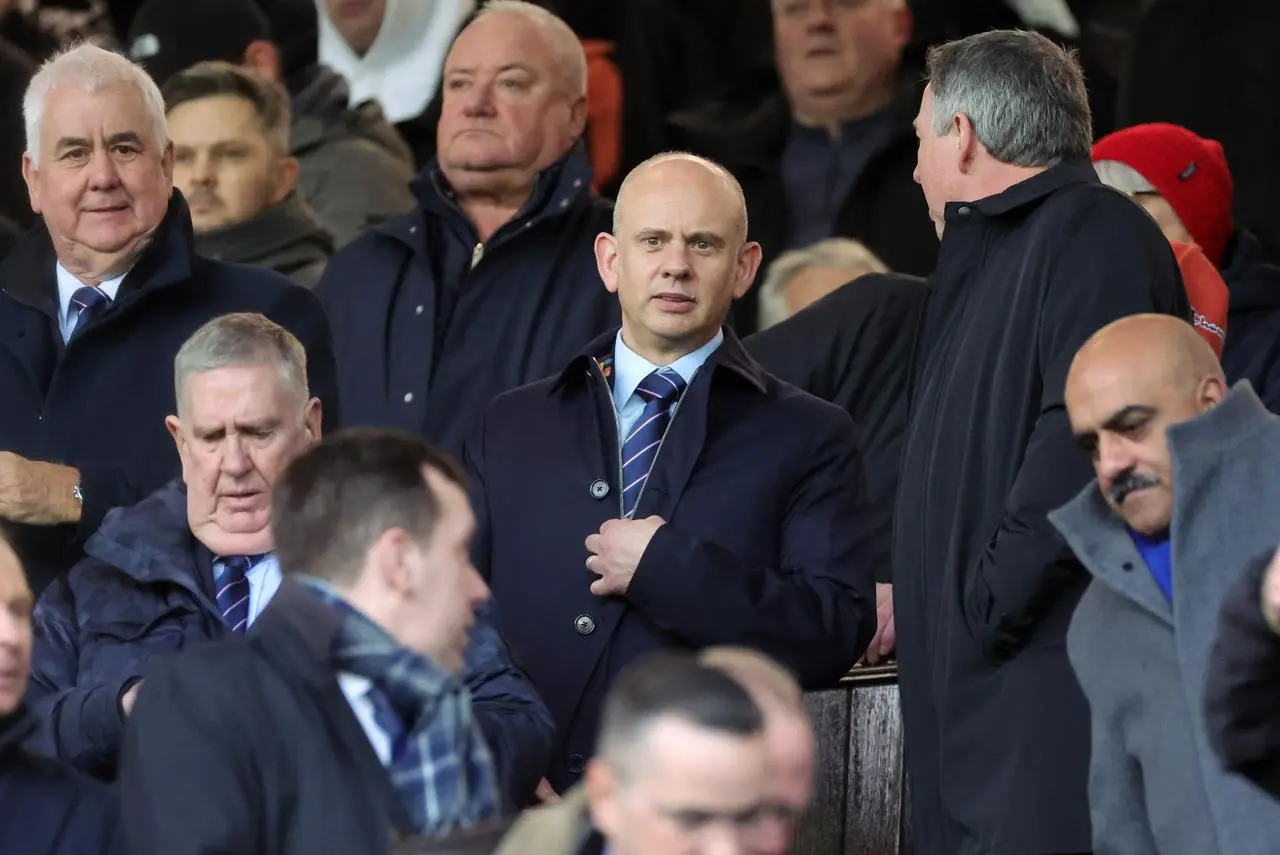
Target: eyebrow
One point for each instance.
(511, 66)
(1118, 419)
(113, 140)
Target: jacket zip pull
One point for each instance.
(477, 253)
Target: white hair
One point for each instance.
(571, 59)
(832, 253)
(1122, 177)
(89, 68)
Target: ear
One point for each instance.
(602, 796)
(1212, 390)
(903, 24)
(389, 556)
(312, 418)
(607, 261)
(968, 146)
(263, 58)
(31, 175)
(748, 265)
(578, 116)
(166, 163)
(288, 180)
(174, 424)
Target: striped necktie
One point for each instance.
(660, 390)
(231, 580)
(90, 302)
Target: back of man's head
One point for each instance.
(336, 499)
(681, 759)
(1024, 94)
(167, 36)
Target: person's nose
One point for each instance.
(676, 262)
(236, 461)
(203, 172)
(1114, 457)
(727, 840)
(477, 588)
(477, 101)
(103, 174)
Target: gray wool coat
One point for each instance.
(1155, 785)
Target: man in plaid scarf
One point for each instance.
(339, 723)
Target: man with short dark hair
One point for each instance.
(344, 703)
(682, 767)
(1035, 256)
(230, 130)
(354, 168)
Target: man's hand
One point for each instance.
(130, 697)
(37, 493)
(885, 638)
(1271, 594)
(616, 551)
(546, 794)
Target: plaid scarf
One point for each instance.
(440, 764)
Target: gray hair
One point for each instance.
(89, 68)
(1122, 177)
(571, 59)
(833, 253)
(724, 174)
(1024, 94)
(241, 339)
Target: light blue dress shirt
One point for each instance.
(67, 286)
(629, 368)
(264, 581)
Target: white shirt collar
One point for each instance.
(629, 367)
(68, 284)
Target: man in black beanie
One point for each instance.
(354, 168)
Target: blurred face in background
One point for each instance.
(225, 163)
(838, 53)
(507, 112)
(358, 21)
(16, 603)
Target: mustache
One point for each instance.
(1128, 483)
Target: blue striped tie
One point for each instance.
(661, 390)
(90, 302)
(231, 582)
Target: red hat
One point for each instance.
(1206, 292)
(1190, 172)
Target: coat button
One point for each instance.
(584, 624)
(417, 310)
(599, 488)
(408, 397)
(577, 763)
(964, 210)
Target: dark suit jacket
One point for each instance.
(767, 543)
(251, 746)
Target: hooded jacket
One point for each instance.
(285, 238)
(355, 169)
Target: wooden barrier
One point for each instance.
(860, 805)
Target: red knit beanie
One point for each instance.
(1190, 172)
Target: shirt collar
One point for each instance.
(68, 284)
(629, 367)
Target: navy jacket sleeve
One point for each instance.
(299, 311)
(815, 612)
(517, 725)
(1242, 710)
(80, 720)
(1112, 265)
(188, 785)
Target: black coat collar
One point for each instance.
(14, 730)
(1031, 190)
(27, 273)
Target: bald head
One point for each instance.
(1127, 385)
(673, 168)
